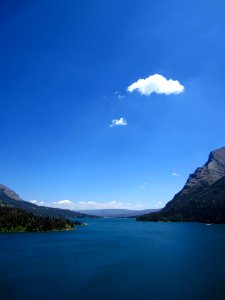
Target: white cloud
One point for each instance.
(37, 202)
(100, 205)
(159, 204)
(63, 202)
(80, 205)
(156, 84)
(118, 122)
(143, 186)
(33, 201)
(119, 95)
(175, 174)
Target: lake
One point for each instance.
(115, 259)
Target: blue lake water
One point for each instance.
(115, 259)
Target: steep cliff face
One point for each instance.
(212, 170)
(202, 199)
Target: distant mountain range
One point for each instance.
(117, 213)
(10, 199)
(202, 198)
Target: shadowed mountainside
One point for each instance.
(9, 198)
(202, 199)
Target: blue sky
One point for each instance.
(65, 70)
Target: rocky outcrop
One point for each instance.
(213, 170)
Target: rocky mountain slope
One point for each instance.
(10, 199)
(202, 199)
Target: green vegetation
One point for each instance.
(19, 220)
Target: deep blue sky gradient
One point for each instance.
(61, 64)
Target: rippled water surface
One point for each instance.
(115, 259)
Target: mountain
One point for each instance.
(117, 213)
(9, 193)
(202, 198)
(9, 198)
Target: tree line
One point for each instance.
(16, 220)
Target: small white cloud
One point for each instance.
(63, 202)
(175, 174)
(119, 95)
(159, 204)
(37, 202)
(156, 84)
(143, 186)
(33, 201)
(118, 122)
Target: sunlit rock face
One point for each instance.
(5, 191)
(212, 170)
